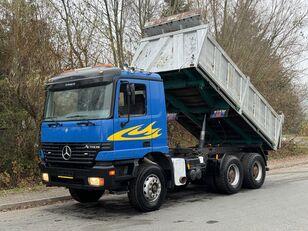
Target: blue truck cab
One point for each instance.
(92, 109)
(99, 124)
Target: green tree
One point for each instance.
(265, 45)
(28, 58)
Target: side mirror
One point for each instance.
(132, 91)
(131, 99)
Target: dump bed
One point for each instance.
(200, 79)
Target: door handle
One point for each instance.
(146, 144)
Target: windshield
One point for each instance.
(82, 103)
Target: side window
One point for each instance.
(137, 109)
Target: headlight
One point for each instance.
(45, 177)
(96, 181)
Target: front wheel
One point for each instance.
(86, 196)
(148, 190)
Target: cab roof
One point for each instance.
(107, 73)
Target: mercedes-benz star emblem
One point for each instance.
(66, 152)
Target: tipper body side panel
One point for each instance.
(200, 79)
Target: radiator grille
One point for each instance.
(81, 153)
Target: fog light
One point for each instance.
(45, 177)
(96, 181)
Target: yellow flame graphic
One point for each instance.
(134, 133)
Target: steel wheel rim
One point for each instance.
(151, 188)
(233, 175)
(257, 171)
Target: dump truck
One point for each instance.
(106, 129)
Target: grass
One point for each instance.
(289, 151)
(293, 146)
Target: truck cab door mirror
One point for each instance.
(131, 100)
(132, 93)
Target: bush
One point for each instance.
(289, 149)
(19, 159)
(304, 130)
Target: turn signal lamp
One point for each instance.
(45, 177)
(96, 181)
(112, 172)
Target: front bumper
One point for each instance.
(78, 178)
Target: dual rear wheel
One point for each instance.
(235, 173)
(254, 171)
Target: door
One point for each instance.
(132, 133)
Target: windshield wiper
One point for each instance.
(76, 116)
(55, 123)
(86, 123)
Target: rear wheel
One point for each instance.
(86, 196)
(230, 179)
(254, 171)
(148, 190)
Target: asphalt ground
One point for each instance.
(281, 204)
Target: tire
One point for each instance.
(86, 196)
(149, 178)
(230, 179)
(254, 171)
